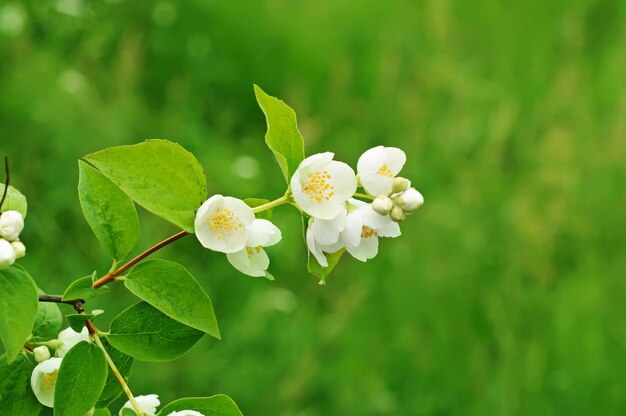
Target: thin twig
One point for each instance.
(118, 375)
(109, 277)
(7, 181)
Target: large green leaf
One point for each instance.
(82, 376)
(144, 332)
(112, 388)
(16, 395)
(159, 175)
(218, 405)
(170, 288)
(102, 412)
(15, 201)
(282, 137)
(48, 321)
(110, 213)
(18, 309)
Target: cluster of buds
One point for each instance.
(402, 201)
(11, 248)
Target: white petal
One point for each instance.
(316, 159)
(315, 249)
(343, 178)
(392, 230)
(372, 218)
(70, 338)
(148, 404)
(367, 249)
(376, 185)
(43, 380)
(263, 233)
(351, 234)
(250, 261)
(186, 413)
(326, 232)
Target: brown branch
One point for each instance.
(110, 276)
(28, 347)
(7, 181)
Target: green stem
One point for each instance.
(285, 199)
(364, 196)
(118, 376)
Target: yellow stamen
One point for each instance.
(318, 188)
(367, 232)
(224, 222)
(385, 171)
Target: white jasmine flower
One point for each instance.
(378, 167)
(147, 404)
(19, 248)
(321, 185)
(222, 224)
(69, 338)
(41, 353)
(7, 254)
(44, 380)
(253, 260)
(362, 229)
(410, 200)
(323, 236)
(11, 225)
(185, 413)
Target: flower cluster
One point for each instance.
(11, 248)
(324, 189)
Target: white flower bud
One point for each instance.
(410, 200)
(69, 337)
(397, 214)
(382, 205)
(41, 353)
(185, 413)
(11, 225)
(147, 404)
(7, 254)
(400, 185)
(19, 248)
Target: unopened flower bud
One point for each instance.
(382, 205)
(7, 254)
(400, 185)
(410, 200)
(41, 353)
(397, 214)
(11, 225)
(20, 249)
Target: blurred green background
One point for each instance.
(507, 291)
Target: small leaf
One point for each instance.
(218, 405)
(80, 289)
(16, 395)
(101, 412)
(145, 333)
(76, 321)
(111, 213)
(18, 309)
(255, 202)
(81, 379)
(15, 201)
(282, 137)
(48, 321)
(159, 175)
(112, 388)
(170, 288)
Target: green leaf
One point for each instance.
(16, 395)
(48, 321)
(170, 288)
(76, 321)
(82, 376)
(125, 411)
(218, 405)
(159, 175)
(282, 137)
(80, 289)
(18, 309)
(110, 213)
(255, 202)
(102, 412)
(15, 201)
(112, 388)
(145, 333)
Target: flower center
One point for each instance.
(318, 188)
(253, 250)
(224, 222)
(385, 171)
(50, 379)
(367, 232)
